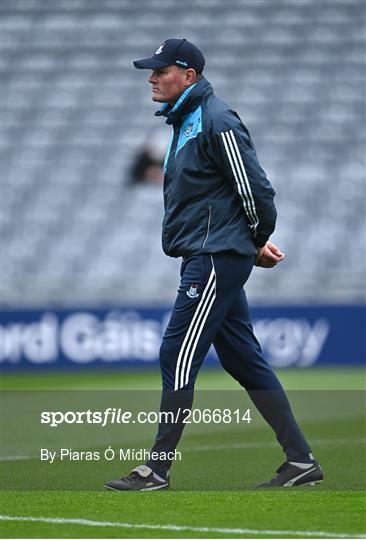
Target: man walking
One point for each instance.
(219, 215)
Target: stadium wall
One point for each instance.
(130, 337)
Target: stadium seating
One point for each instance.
(75, 112)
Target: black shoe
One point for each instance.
(289, 475)
(142, 478)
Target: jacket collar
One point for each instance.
(187, 102)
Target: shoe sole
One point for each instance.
(310, 483)
(165, 486)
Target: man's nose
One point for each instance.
(152, 78)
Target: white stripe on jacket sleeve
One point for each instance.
(240, 176)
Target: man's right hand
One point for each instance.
(269, 255)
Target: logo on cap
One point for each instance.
(159, 50)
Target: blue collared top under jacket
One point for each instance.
(217, 198)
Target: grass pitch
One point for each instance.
(212, 494)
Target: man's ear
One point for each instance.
(191, 76)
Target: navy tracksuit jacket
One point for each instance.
(218, 210)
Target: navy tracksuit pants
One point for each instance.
(211, 307)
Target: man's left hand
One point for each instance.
(269, 255)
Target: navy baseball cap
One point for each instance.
(177, 52)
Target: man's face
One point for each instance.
(168, 83)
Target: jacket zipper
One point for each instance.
(208, 226)
(170, 165)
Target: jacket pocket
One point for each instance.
(193, 274)
(209, 212)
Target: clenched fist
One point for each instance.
(269, 255)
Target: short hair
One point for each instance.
(198, 75)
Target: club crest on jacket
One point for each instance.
(189, 129)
